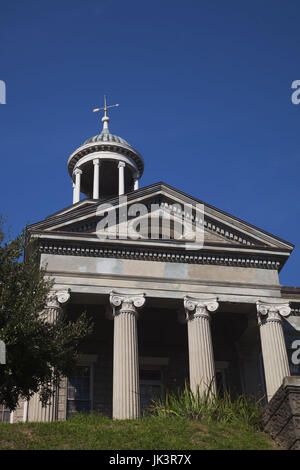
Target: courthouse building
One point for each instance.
(166, 309)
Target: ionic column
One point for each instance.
(276, 364)
(126, 390)
(78, 174)
(96, 178)
(74, 192)
(135, 181)
(121, 167)
(201, 356)
(37, 412)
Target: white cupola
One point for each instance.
(105, 165)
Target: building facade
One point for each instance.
(178, 291)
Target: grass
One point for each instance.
(94, 431)
(183, 421)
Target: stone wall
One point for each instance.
(282, 414)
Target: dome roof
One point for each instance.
(106, 137)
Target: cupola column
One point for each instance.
(126, 389)
(201, 355)
(121, 167)
(276, 364)
(78, 174)
(74, 186)
(96, 178)
(135, 181)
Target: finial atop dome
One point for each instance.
(105, 121)
(105, 118)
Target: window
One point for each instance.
(221, 380)
(150, 387)
(79, 396)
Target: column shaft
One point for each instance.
(96, 179)
(48, 413)
(78, 173)
(121, 167)
(126, 393)
(276, 364)
(135, 182)
(74, 193)
(201, 356)
(126, 398)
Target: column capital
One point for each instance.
(77, 171)
(197, 307)
(121, 164)
(57, 299)
(96, 161)
(126, 303)
(272, 311)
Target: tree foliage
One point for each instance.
(38, 353)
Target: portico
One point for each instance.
(140, 337)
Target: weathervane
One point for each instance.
(105, 108)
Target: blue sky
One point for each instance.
(205, 95)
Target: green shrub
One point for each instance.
(208, 407)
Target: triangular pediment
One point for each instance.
(219, 228)
(156, 221)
